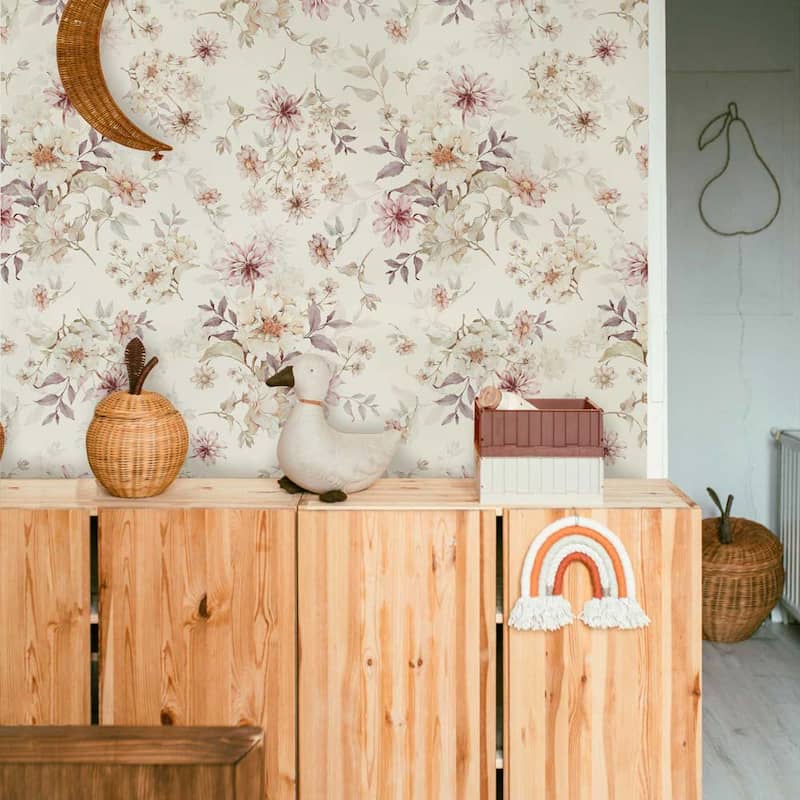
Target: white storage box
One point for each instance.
(550, 454)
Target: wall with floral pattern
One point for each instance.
(434, 194)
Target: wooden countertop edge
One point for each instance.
(388, 494)
(114, 744)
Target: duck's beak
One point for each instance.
(284, 377)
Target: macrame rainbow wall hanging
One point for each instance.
(542, 606)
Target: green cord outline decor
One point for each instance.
(724, 120)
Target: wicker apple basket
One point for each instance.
(137, 441)
(742, 578)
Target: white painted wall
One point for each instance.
(734, 303)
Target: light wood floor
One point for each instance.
(751, 717)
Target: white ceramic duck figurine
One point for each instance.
(316, 457)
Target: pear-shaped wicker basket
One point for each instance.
(136, 444)
(742, 581)
(2, 439)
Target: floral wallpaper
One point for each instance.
(434, 194)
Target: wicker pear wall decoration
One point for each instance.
(78, 58)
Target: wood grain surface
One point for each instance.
(397, 632)
(197, 624)
(183, 493)
(387, 494)
(100, 763)
(596, 714)
(44, 617)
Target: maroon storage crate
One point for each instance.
(568, 427)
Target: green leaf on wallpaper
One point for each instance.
(223, 349)
(235, 108)
(118, 228)
(483, 180)
(624, 349)
(359, 72)
(519, 228)
(84, 180)
(363, 94)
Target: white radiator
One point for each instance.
(789, 516)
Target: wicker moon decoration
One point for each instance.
(78, 58)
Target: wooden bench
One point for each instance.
(131, 763)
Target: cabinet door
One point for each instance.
(397, 630)
(608, 713)
(44, 617)
(197, 624)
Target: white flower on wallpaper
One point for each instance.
(431, 194)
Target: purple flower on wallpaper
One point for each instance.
(280, 109)
(299, 205)
(114, 379)
(518, 381)
(7, 220)
(206, 446)
(613, 448)
(206, 46)
(57, 97)
(244, 264)
(634, 265)
(606, 46)
(395, 218)
(585, 125)
(472, 94)
(320, 8)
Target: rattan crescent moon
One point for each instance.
(78, 58)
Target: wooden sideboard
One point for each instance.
(366, 638)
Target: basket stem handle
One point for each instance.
(725, 532)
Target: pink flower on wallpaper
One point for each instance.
(643, 160)
(250, 165)
(606, 46)
(207, 197)
(585, 125)
(299, 205)
(127, 188)
(321, 252)
(395, 218)
(280, 109)
(634, 265)
(206, 46)
(40, 296)
(607, 197)
(440, 297)
(7, 220)
(124, 326)
(320, 8)
(184, 124)
(397, 31)
(472, 94)
(527, 187)
(206, 446)
(244, 264)
(524, 325)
